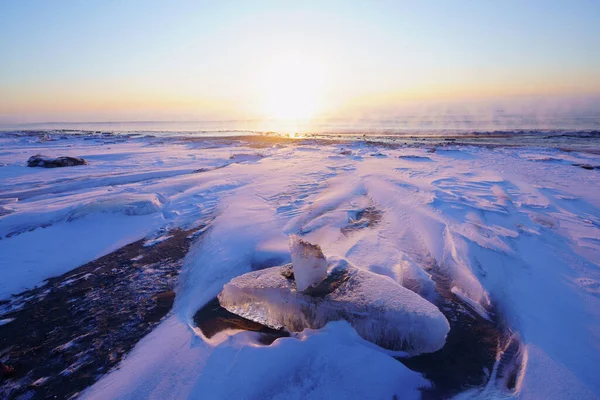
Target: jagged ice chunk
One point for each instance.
(309, 263)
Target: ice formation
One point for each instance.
(378, 308)
(309, 263)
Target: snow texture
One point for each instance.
(514, 226)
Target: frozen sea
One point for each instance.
(509, 217)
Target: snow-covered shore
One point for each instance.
(516, 227)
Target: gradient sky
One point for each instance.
(194, 60)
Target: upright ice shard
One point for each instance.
(381, 310)
(309, 263)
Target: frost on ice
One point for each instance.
(379, 309)
(309, 263)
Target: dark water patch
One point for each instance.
(474, 349)
(510, 363)
(69, 332)
(466, 360)
(212, 319)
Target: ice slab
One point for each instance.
(380, 310)
(309, 263)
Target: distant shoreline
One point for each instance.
(587, 141)
(407, 125)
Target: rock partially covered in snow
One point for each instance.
(587, 166)
(380, 310)
(309, 263)
(47, 162)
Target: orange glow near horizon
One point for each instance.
(288, 96)
(290, 62)
(286, 93)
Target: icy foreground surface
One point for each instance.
(309, 263)
(517, 227)
(332, 363)
(378, 308)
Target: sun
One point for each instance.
(292, 88)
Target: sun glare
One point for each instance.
(292, 88)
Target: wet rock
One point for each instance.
(589, 167)
(48, 162)
(415, 158)
(246, 157)
(367, 217)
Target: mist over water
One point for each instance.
(429, 118)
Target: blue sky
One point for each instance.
(114, 60)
